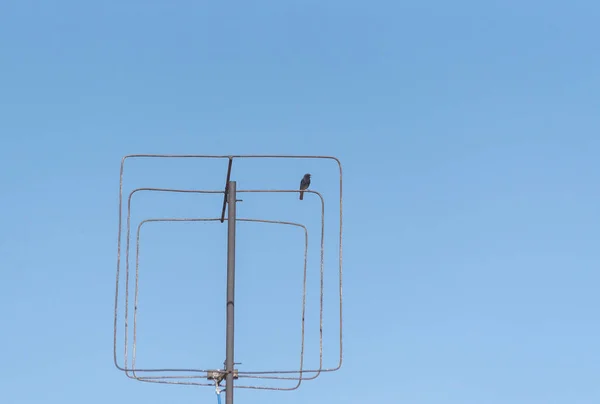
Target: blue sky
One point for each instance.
(468, 133)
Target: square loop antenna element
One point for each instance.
(175, 376)
(170, 379)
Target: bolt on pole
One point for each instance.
(231, 222)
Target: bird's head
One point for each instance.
(306, 175)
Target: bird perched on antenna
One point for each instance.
(304, 184)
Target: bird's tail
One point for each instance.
(301, 195)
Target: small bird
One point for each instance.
(304, 184)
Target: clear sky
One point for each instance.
(468, 133)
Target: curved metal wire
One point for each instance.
(242, 374)
(161, 379)
(164, 379)
(246, 374)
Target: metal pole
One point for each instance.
(231, 221)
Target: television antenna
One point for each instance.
(229, 373)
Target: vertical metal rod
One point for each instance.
(231, 222)
(226, 186)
